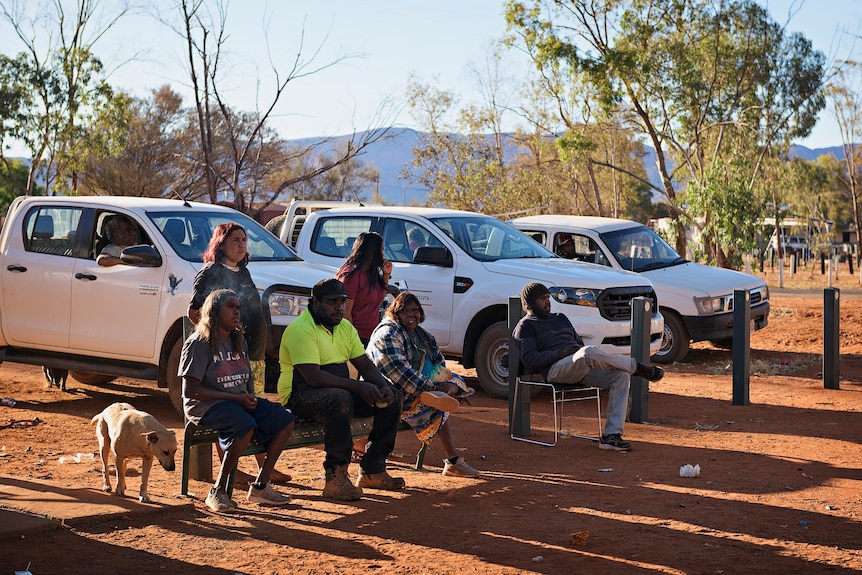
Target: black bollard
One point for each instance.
(822, 264)
(741, 346)
(850, 263)
(831, 340)
(519, 407)
(642, 312)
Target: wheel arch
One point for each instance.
(478, 325)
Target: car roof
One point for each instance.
(596, 223)
(128, 202)
(412, 210)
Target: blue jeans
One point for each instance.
(335, 408)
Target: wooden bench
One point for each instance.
(305, 433)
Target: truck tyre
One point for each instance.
(91, 378)
(492, 347)
(175, 382)
(275, 224)
(674, 341)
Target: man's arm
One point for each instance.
(372, 391)
(529, 346)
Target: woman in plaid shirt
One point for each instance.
(409, 357)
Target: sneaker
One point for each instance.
(266, 495)
(458, 469)
(614, 441)
(439, 400)
(338, 486)
(219, 502)
(380, 480)
(650, 372)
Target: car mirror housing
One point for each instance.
(142, 256)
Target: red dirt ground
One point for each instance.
(780, 489)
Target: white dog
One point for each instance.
(131, 433)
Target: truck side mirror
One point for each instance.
(142, 256)
(434, 255)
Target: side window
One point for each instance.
(51, 230)
(587, 250)
(418, 237)
(118, 229)
(396, 245)
(335, 236)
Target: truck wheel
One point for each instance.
(492, 347)
(175, 382)
(674, 340)
(275, 224)
(91, 378)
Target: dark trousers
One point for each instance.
(335, 408)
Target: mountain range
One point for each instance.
(390, 157)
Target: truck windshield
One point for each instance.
(189, 232)
(488, 239)
(640, 249)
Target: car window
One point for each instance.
(100, 238)
(51, 230)
(587, 250)
(488, 239)
(335, 236)
(188, 233)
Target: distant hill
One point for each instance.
(391, 156)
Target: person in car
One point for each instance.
(566, 246)
(548, 344)
(122, 233)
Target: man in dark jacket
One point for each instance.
(548, 343)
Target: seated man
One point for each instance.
(548, 343)
(122, 233)
(566, 246)
(315, 384)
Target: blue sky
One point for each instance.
(438, 41)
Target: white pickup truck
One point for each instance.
(695, 300)
(465, 270)
(62, 310)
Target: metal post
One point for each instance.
(639, 387)
(831, 341)
(741, 346)
(519, 407)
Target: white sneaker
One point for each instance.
(459, 469)
(266, 496)
(219, 502)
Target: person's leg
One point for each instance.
(445, 435)
(617, 383)
(274, 426)
(383, 432)
(236, 428)
(334, 408)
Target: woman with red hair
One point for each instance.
(225, 267)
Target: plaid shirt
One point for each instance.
(393, 352)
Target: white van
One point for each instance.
(464, 272)
(695, 300)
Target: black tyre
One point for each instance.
(175, 382)
(492, 347)
(675, 340)
(91, 378)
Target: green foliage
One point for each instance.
(13, 182)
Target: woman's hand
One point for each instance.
(386, 268)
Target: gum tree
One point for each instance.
(699, 81)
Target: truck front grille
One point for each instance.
(615, 303)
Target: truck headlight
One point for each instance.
(712, 305)
(287, 304)
(576, 296)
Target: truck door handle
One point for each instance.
(80, 276)
(14, 268)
